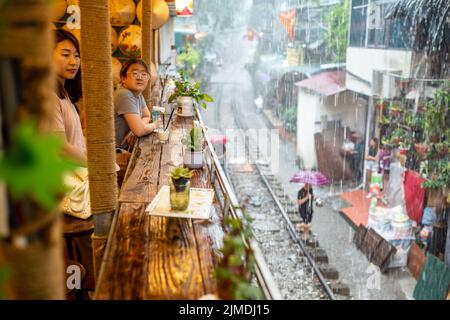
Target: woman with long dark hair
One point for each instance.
(66, 120)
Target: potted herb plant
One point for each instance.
(180, 188)
(185, 93)
(193, 155)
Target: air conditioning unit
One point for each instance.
(383, 83)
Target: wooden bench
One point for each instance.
(149, 257)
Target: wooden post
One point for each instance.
(26, 90)
(98, 103)
(147, 44)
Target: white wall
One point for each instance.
(362, 62)
(167, 39)
(306, 115)
(311, 107)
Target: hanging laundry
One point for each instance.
(414, 195)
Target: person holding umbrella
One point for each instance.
(305, 197)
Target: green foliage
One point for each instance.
(237, 264)
(184, 88)
(194, 139)
(436, 112)
(336, 38)
(181, 173)
(189, 60)
(440, 174)
(33, 167)
(289, 117)
(5, 273)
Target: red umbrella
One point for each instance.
(315, 178)
(218, 139)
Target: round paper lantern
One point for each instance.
(130, 40)
(160, 13)
(122, 11)
(116, 66)
(75, 32)
(153, 74)
(114, 40)
(59, 9)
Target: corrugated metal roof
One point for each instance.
(325, 83)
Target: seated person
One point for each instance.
(131, 115)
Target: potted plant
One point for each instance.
(438, 184)
(185, 93)
(180, 188)
(235, 269)
(421, 148)
(435, 192)
(193, 155)
(395, 109)
(399, 135)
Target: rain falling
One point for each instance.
(225, 150)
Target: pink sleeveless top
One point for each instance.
(67, 121)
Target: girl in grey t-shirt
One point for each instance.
(130, 110)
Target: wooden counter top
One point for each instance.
(151, 257)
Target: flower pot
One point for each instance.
(434, 139)
(185, 106)
(443, 151)
(193, 159)
(179, 194)
(421, 148)
(403, 151)
(436, 198)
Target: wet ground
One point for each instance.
(232, 84)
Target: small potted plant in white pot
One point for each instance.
(186, 93)
(193, 155)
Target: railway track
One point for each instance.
(300, 269)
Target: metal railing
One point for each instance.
(229, 205)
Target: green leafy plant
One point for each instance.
(237, 265)
(194, 139)
(435, 114)
(395, 108)
(440, 172)
(181, 173)
(189, 60)
(32, 166)
(336, 38)
(184, 88)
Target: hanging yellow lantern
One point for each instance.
(122, 11)
(59, 9)
(114, 40)
(130, 41)
(116, 66)
(160, 13)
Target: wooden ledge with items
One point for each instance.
(169, 255)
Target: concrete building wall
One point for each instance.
(362, 61)
(306, 116)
